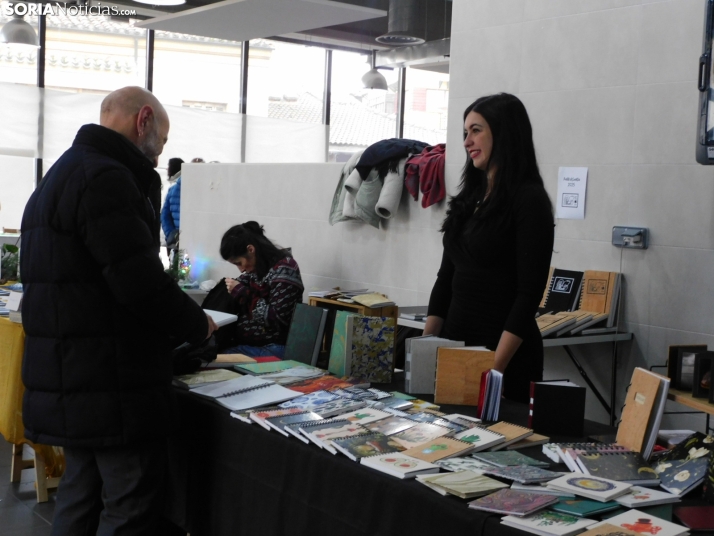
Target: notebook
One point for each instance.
(512, 433)
(439, 449)
(246, 392)
(549, 523)
(511, 502)
(399, 465)
(362, 445)
(525, 474)
(639, 521)
(305, 335)
(464, 484)
(221, 319)
(598, 489)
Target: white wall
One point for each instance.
(293, 201)
(611, 85)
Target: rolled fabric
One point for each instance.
(338, 200)
(353, 182)
(348, 207)
(391, 193)
(367, 197)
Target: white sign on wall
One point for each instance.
(572, 185)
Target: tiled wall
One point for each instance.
(611, 85)
(293, 201)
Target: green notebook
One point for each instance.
(338, 350)
(257, 369)
(584, 507)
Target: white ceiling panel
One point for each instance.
(242, 20)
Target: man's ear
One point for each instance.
(143, 118)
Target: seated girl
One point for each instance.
(267, 290)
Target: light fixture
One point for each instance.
(373, 79)
(161, 2)
(406, 24)
(18, 32)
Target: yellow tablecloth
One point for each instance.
(12, 344)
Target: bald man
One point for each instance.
(98, 313)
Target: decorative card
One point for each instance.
(464, 484)
(547, 523)
(638, 496)
(599, 489)
(526, 474)
(584, 507)
(390, 425)
(341, 405)
(605, 529)
(421, 433)
(642, 523)
(365, 415)
(310, 400)
(510, 502)
(438, 449)
(480, 438)
(399, 465)
(464, 464)
(681, 476)
(363, 445)
(508, 457)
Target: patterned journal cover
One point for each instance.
(549, 523)
(623, 467)
(438, 449)
(390, 425)
(259, 416)
(310, 400)
(326, 383)
(464, 484)
(421, 433)
(365, 415)
(643, 523)
(399, 465)
(424, 416)
(525, 474)
(372, 344)
(363, 445)
(605, 529)
(279, 423)
(480, 438)
(465, 463)
(510, 502)
(599, 489)
(256, 369)
(681, 476)
(337, 364)
(508, 457)
(638, 496)
(338, 406)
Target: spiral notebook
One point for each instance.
(246, 392)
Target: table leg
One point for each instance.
(587, 379)
(18, 464)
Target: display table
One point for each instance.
(49, 461)
(233, 478)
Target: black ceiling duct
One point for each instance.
(407, 23)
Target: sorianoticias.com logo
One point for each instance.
(57, 8)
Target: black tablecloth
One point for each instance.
(233, 478)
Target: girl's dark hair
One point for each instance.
(236, 240)
(513, 161)
(174, 166)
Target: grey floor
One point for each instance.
(20, 514)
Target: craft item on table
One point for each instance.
(489, 402)
(204, 377)
(458, 374)
(339, 201)
(563, 291)
(642, 414)
(680, 364)
(626, 467)
(512, 433)
(390, 425)
(463, 464)
(326, 383)
(551, 323)
(355, 394)
(637, 497)
(643, 523)
(362, 445)
(305, 334)
(310, 400)
(598, 489)
(422, 405)
(600, 294)
(420, 362)
(395, 403)
(234, 359)
(605, 529)
(425, 172)
(258, 369)
(259, 416)
(373, 300)
(221, 319)
(439, 449)
(465, 420)
(556, 451)
(584, 507)
(696, 517)
(683, 449)
(525, 474)
(381, 395)
(464, 484)
(391, 192)
(293, 375)
(279, 423)
(363, 347)
(424, 416)
(243, 416)
(679, 477)
(581, 318)
(399, 465)
(245, 392)
(549, 523)
(339, 406)
(325, 430)
(511, 502)
(530, 441)
(508, 457)
(404, 396)
(365, 415)
(419, 434)
(480, 438)
(557, 407)
(541, 487)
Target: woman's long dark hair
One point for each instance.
(236, 240)
(513, 161)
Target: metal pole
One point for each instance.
(401, 104)
(42, 37)
(327, 94)
(150, 59)
(244, 56)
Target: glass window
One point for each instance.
(17, 182)
(359, 117)
(197, 72)
(286, 81)
(93, 54)
(426, 105)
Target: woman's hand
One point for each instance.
(433, 325)
(231, 284)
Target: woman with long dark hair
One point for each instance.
(498, 240)
(267, 290)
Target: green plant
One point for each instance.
(9, 262)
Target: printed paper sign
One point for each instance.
(572, 185)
